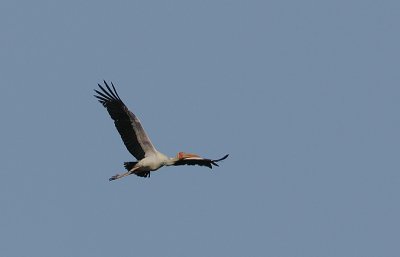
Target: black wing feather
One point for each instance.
(200, 162)
(122, 119)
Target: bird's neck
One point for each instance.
(171, 161)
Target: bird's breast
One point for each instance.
(151, 163)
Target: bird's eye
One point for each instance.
(181, 155)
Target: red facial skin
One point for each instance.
(182, 155)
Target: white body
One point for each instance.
(153, 162)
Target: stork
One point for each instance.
(138, 143)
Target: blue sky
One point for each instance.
(303, 95)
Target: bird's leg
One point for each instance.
(118, 176)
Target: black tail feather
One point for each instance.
(129, 165)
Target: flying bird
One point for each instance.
(137, 141)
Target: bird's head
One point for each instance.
(182, 155)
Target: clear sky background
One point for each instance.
(303, 95)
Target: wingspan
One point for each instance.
(128, 125)
(199, 161)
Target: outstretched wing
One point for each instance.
(128, 125)
(199, 161)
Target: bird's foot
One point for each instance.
(116, 176)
